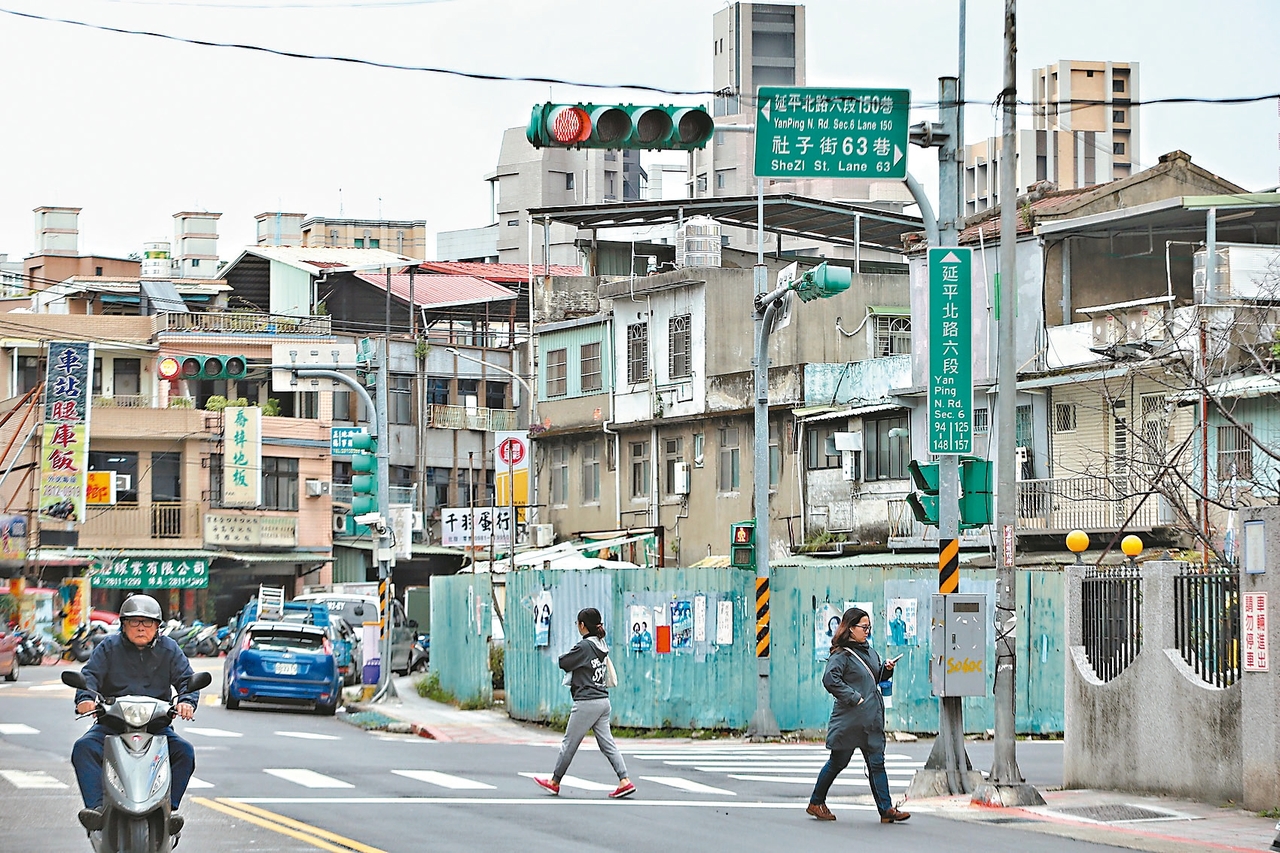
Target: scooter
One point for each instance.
(420, 654)
(203, 642)
(30, 651)
(135, 770)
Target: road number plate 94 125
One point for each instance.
(286, 669)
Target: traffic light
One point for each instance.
(742, 539)
(202, 367)
(975, 492)
(364, 474)
(924, 504)
(822, 282)
(619, 126)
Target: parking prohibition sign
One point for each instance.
(511, 451)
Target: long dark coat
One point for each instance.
(858, 704)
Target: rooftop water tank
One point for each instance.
(698, 242)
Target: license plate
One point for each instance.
(286, 669)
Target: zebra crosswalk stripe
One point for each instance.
(306, 778)
(688, 785)
(575, 782)
(31, 779)
(444, 780)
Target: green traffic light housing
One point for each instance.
(364, 474)
(742, 543)
(924, 503)
(619, 126)
(823, 282)
(976, 493)
(195, 367)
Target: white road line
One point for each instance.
(211, 732)
(809, 780)
(17, 729)
(688, 785)
(308, 736)
(549, 802)
(198, 783)
(53, 685)
(307, 778)
(575, 782)
(790, 768)
(444, 780)
(31, 779)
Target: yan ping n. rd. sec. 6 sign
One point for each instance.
(950, 350)
(831, 133)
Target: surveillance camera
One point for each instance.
(369, 519)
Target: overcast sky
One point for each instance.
(133, 129)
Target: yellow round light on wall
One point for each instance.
(1077, 541)
(1131, 545)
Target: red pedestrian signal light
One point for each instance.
(196, 367)
(618, 126)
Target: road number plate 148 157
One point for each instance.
(286, 669)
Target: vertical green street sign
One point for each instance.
(950, 351)
(831, 133)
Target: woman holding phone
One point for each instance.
(853, 674)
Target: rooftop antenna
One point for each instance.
(379, 207)
(339, 202)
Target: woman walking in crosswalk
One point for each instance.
(854, 672)
(588, 668)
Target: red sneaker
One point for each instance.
(624, 790)
(550, 784)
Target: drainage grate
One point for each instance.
(1117, 813)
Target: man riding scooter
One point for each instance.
(138, 662)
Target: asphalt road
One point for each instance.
(269, 780)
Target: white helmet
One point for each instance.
(143, 606)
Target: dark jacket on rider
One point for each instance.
(119, 668)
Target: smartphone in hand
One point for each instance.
(895, 660)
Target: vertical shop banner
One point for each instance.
(511, 470)
(64, 454)
(242, 456)
(13, 539)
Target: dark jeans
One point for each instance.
(86, 757)
(872, 746)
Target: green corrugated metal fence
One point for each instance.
(461, 614)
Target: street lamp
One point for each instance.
(1077, 543)
(1132, 547)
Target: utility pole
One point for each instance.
(1006, 787)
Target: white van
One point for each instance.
(355, 610)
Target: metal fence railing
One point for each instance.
(1207, 624)
(1111, 618)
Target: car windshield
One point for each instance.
(346, 608)
(285, 641)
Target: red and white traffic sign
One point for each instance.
(511, 451)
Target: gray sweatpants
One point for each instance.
(590, 714)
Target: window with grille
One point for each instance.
(729, 459)
(639, 469)
(680, 336)
(1155, 428)
(981, 420)
(1235, 452)
(1120, 446)
(591, 472)
(560, 475)
(557, 372)
(1064, 417)
(637, 353)
(893, 335)
(589, 364)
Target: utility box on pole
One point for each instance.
(958, 645)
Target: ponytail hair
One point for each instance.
(590, 619)
(843, 637)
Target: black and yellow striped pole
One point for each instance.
(762, 617)
(948, 566)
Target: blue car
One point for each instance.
(283, 663)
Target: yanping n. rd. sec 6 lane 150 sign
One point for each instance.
(831, 133)
(950, 350)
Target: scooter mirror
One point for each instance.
(199, 681)
(74, 679)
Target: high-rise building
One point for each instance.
(1084, 131)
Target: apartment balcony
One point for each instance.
(152, 525)
(399, 495)
(142, 401)
(442, 416)
(242, 323)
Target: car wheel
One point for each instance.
(327, 710)
(228, 701)
(13, 673)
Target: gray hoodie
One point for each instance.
(585, 664)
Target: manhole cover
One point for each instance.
(1117, 813)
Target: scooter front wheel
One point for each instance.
(135, 835)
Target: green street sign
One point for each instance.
(134, 573)
(831, 133)
(950, 351)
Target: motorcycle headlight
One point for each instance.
(113, 778)
(136, 714)
(162, 777)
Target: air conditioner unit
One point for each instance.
(680, 486)
(339, 524)
(544, 535)
(124, 482)
(316, 488)
(418, 522)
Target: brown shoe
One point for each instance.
(894, 816)
(820, 811)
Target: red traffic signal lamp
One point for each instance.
(619, 126)
(193, 367)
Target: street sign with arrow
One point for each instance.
(831, 133)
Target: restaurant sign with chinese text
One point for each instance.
(242, 456)
(145, 573)
(950, 351)
(481, 527)
(65, 451)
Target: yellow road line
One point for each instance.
(313, 835)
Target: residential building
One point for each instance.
(57, 256)
(1085, 131)
(404, 237)
(195, 244)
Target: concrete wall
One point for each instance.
(1156, 727)
(1260, 722)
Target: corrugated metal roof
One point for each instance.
(496, 272)
(315, 259)
(989, 229)
(441, 291)
(827, 413)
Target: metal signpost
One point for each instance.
(831, 133)
(950, 350)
